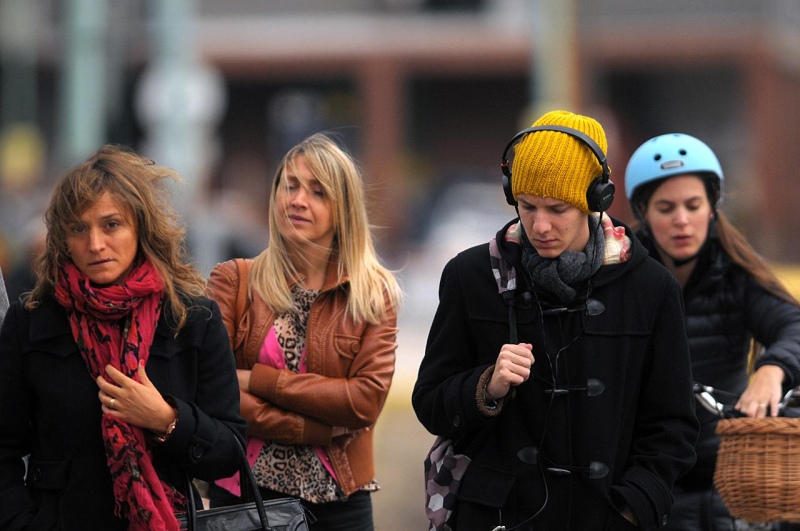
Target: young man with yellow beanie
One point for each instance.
(557, 360)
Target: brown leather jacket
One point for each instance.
(337, 402)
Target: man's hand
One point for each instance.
(513, 367)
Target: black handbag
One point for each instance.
(283, 514)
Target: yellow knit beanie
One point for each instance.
(555, 164)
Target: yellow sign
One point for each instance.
(21, 156)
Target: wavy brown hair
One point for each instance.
(742, 253)
(137, 184)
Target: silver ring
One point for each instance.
(111, 402)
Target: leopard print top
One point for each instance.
(294, 469)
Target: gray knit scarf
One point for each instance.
(558, 275)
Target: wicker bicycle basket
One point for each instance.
(758, 468)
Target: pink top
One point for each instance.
(272, 355)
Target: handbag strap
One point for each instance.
(251, 481)
(243, 268)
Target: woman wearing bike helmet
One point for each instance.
(731, 296)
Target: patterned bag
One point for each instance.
(443, 472)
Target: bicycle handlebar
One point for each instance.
(704, 394)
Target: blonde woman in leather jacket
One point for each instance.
(314, 340)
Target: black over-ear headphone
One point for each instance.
(600, 193)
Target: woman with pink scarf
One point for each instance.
(118, 381)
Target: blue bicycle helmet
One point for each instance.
(668, 155)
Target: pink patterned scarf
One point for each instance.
(96, 316)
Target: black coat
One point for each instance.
(636, 435)
(725, 309)
(49, 408)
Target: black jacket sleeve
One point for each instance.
(776, 325)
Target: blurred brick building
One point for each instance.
(426, 92)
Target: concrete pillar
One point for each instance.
(82, 127)
(381, 83)
(554, 57)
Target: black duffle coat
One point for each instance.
(573, 456)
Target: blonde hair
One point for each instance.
(135, 183)
(370, 283)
